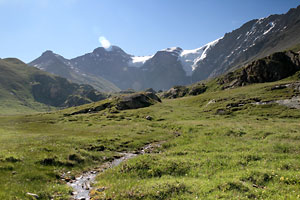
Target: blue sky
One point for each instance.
(140, 27)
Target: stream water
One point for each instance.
(82, 184)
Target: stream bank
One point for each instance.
(82, 185)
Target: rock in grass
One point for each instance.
(148, 117)
(137, 100)
(33, 195)
(221, 112)
(101, 189)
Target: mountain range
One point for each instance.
(112, 68)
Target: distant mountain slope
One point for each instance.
(24, 88)
(112, 64)
(164, 70)
(255, 39)
(61, 66)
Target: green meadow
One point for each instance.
(217, 145)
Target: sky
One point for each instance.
(140, 27)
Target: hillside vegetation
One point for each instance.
(26, 89)
(224, 144)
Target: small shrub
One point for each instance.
(77, 158)
(230, 186)
(258, 178)
(8, 167)
(51, 162)
(96, 148)
(282, 148)
(251, 157)
(12, 159)
(235, 133)
(266, 134)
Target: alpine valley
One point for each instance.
(217, 122)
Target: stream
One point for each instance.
(82, 184)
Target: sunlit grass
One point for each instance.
(247, 152)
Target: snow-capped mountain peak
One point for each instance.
(173, 50)
(189, 58)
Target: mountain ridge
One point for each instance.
(256, 38)
(57, 64)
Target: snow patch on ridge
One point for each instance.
(138, 61)
(190, 58)
(272, 24)
(173, 50)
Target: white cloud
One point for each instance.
(104, 42)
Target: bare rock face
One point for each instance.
(125, 102)
(175, 92)
(152, 96)
(137, 100)
(271, 68)
(181, 91)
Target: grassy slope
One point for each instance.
(249, 152)
(15, 91)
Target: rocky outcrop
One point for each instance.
(123, 102)
(137, 100)
(175, 92)
(150, 90)
(271, 68)
(181, 91)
